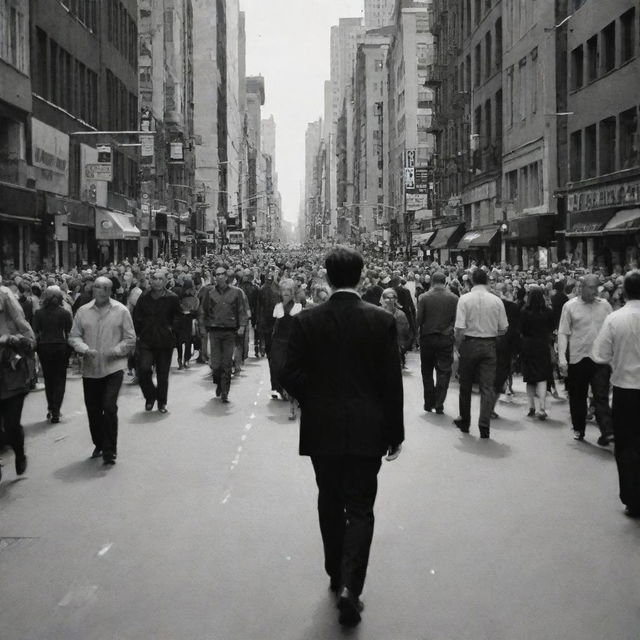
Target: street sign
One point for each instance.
(98, 172)
(424, 179)
(409, 179)
(410, 158)
(146, 146)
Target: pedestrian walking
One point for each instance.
(406, 337)
(343, 365)
(183, 324)
(435, 320)
(222, 314)
(480, 319)
(154, 318)
(51, 325)
(580, 322)
(268, 298)
(618, 345)
(536, 330)
(17, 371)
(103, 334)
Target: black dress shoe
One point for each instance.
(350, 607)
(440, 411)
(218, 391)
(162, 408)
(428, 408)
(225, 398)
(148, 406)
(97, 453)
(631, 512)
(484, 433)
(334, 585)
(462, 425)
(108, 459)
(21, 465)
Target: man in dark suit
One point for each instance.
(343, 366)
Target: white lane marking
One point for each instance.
(79, 596)
(240, 449)
(255, 404)
(252, 416)
(244, 437)
(226, 498)
(105, 549)
(432, 572)
(247, 427)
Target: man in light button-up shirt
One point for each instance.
(618, 344)
(103, 334)
(581, 320)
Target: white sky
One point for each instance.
(288, 42)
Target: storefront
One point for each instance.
(117, 236)
(74, 231)
(420, 244)
(445, 242)
(527, 236)
(21, 233)
(603, 227)
(481, 245)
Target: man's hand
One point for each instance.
(91, 353)
(241, 331)
(393, 453)
(564, 369)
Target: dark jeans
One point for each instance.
(223, 343)
(10, 415)
(263, 341)
(54, 359)
(436, 352)
(161, 358)
(101, 401)
(186, 346)
(626, 409)
(347, 488)
(477, 362)
(581, 375)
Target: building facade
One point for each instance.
(378, 13)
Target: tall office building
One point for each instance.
(378, 13)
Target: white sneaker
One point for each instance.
(275, 395)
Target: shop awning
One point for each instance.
(447, 237)
(624, 221)
(532, 229)
(478, 238)
(113, 225)
(422, 238)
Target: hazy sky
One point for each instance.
(288, 42)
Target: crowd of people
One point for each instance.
(481, 323)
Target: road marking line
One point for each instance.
(105, 549)
(244, 437)
(226, 498)
(240, 449)
(252, 416)
(79, 596)
(255, 404)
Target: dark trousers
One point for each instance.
(10, 415)
(581, 375)
(503, 365)
(161, 358)
(626, 409)
(223, 343)
(54, 359)
(347, 488)
(101, 401)
(185, 346)
(477, 362)
(263, 341)
(436, 352)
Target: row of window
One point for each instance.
(520, 16)
(62, 79)
(84, 11)
(487, 60)
(469, 19)
(522, 89)
(13, 35)
(613, 144)
(613, 46)
(122, 114)
(524, 186)
(122, 31)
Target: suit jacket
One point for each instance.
(343, 366)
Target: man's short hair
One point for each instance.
(479, 277)
(632, 285)
(344, 267)
(438, 278)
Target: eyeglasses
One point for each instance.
(221, 273)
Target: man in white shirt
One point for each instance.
(581, 320)
(103, 334)
(480, 319)
(618, 345)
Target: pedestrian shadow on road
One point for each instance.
(484, 448)
(604, 453)
(283, 419)
(38, 428)
(324, 624)
(6, 487)
(215, 408)
(148, 417)
(81, 470)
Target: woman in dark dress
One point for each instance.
(536, 330)
(52, 324)
(283, 313)
(183, 324)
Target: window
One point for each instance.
(477, 76)
(478, 12)
(510, 95)
(628, 35)
(575, 167)
(524, 188)
(488, 130)
(534, 81)
(468, 8)
(592, 58)
(522, 88)
(498, 43)
(467, 78)
(13, 35)
(577, 68)
(512, 186)
(499, 115)
(607, 146)
(41, 79)
(590, 152)
(488, 55)
(609, 47)
(629, 139)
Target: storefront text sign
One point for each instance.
(50, 157)
(605, 196)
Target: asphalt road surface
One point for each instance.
(206, 528)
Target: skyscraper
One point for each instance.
(378, 13)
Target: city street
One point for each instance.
(206, 527)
